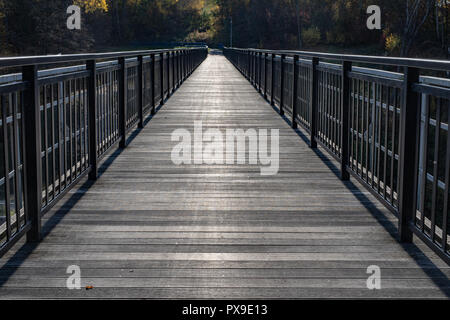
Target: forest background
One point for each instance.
(417, 28)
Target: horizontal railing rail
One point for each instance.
(387, 130)
(57, 124)
(432, 64)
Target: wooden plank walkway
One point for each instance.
(150, 229)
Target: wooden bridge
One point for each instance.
(147, 228)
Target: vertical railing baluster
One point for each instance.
(313, 106)
(436, 166)
(16, 145)
(140, 92)
(446, 191)
(282, 83)
(251, 67)
(183, 54)
(345, 114)
(168, 74)
(272, 90)
(294, 93)
(409, 122)
(33, 160)
(122, 102)
(254, 68)
(179, 55)
(255, 74)
(185, 65)
(265, 75)
(189, 63)
(248, 64)
(153, 79)
(174, 70)
(161, 75)
(6, 170)
(259, 72)
(45, 127)
(92, 121)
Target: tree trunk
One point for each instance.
(414, 22)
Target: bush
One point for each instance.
(392, 42)
(311, 36)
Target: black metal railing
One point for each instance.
(388, 130)
(56, 125)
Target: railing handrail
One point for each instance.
(64, 58)
(434, 64)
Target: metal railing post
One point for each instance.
(92, 118)
(252, 67)
(265, 75)
(294, 93)
(153, 79)
(33, 160)
(313, 107)
(168, 75)
(282, 68)
(272, 89)
(255, 59)
(174, 78)
(345, 128)
(259, 72)
(189, 63)
(409, 122)
(141, 92)
(178, 69)
(161, 75)
(175, 70)
(183, 65)
(248, 64)
(123, 102)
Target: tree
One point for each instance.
(417, 13)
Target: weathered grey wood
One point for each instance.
(218, 293)
(150, 229)
(261, 273)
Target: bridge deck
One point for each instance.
(150, 229)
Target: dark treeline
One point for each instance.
(39, 26)
(409, 27)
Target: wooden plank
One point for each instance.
(220, 293)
